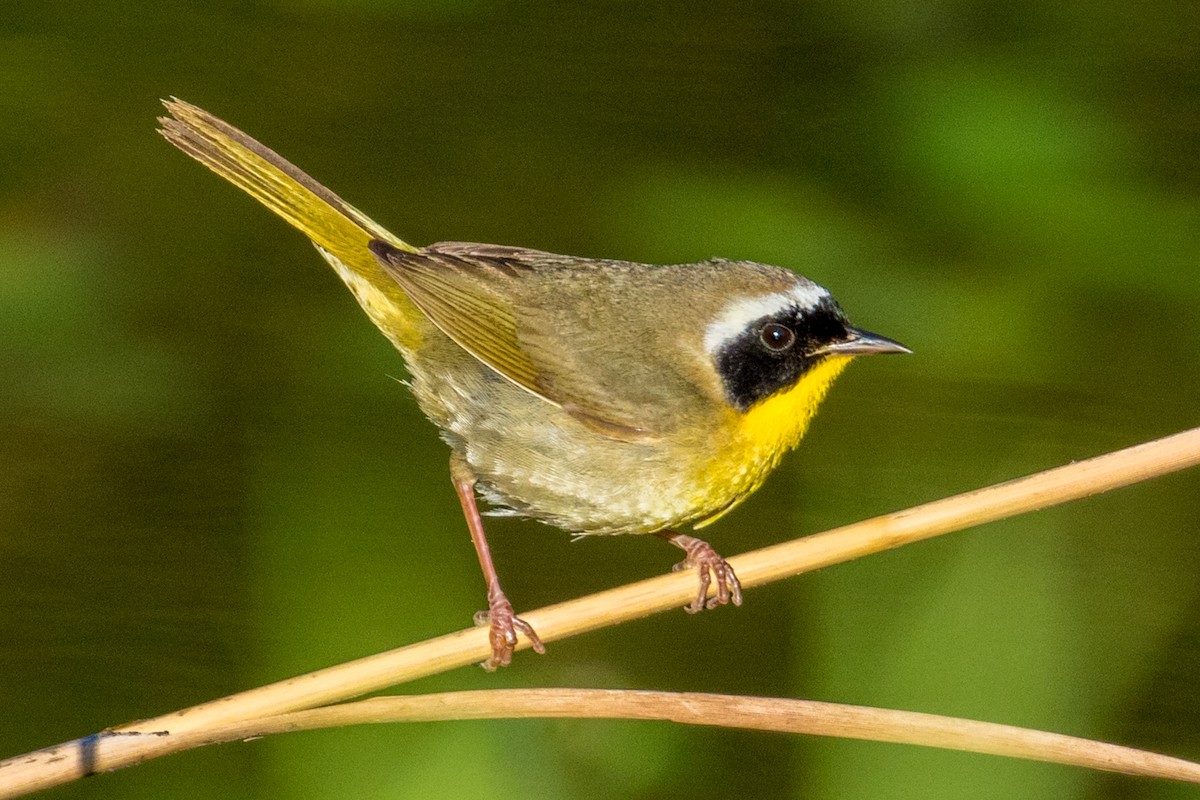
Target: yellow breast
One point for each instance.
(760, 438)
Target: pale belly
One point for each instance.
(532, 458)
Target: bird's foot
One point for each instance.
(709, 565)
(504, 625)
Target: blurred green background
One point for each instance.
(210, 480)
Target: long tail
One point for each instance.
(340, 231)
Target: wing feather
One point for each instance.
(549, 323)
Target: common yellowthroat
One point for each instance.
(598, 396)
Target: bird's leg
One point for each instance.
(500, 617)
(708, 565)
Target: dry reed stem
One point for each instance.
(128, 744)
(778, 715)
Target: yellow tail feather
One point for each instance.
(340, 231)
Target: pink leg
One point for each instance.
(708, 565)
(501, 618)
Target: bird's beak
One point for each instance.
(859, 342)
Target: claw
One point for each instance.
(709, 565)
(504, 625)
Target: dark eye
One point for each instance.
(776, 337)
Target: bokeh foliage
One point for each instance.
(209, 480)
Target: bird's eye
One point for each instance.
(776, 337)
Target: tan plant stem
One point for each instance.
(690, 708)
(62, 763)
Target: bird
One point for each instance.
(599, 396)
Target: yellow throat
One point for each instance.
(767, 431)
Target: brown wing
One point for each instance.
(461, 297)
(546, 323)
